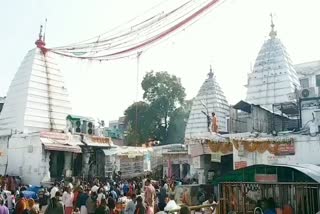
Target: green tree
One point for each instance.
(163, 104)
(138, 116)
(164, 93)
(178, 123)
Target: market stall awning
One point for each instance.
(60, 142)
(108, 152)
(243, 106)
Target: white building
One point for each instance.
(309, 76)
(273, 78)
(33, 120)
(210, 98)
(304, 149)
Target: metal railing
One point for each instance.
(193, 208)
(243, 197)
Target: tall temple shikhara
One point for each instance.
(210, 99)
(37, 98)
(273, 78)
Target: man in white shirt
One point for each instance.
(171, 205)
(107, 187)
(100, 195)
(67, 199)
(94, 189)
(209, 210)
(54, 190)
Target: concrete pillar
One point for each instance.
(85, 163)
(46, 164)
(169, 168)
(181, 171)
(54, 160)
(67, 164)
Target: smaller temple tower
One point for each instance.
(273, 78)
(210, 98)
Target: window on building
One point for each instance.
(318, 80)
(305, 83)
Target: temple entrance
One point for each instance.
(56, 164)
(185, 170)
(176, 170)
(77, 165)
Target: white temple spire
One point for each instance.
(272, 33)
(37, 98)
(210, 98)
(273, 77)
(210, 74)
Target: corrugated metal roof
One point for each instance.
(311, 170)
(307, 173)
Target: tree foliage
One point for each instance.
(163, 102)
(178, 123)
(140, 123)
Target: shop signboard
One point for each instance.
(240, 164)
(266, 178)
(216, 157)
(285, 149)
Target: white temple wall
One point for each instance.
(307, 150)
(3, 154)
(27, 159)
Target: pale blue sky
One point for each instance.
(229, 38)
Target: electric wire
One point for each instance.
(129, 47)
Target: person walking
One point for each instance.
(82, 201)
(55, 206)
(162, 195)
(21, 205)
(103, 208)
(131, 205)
(150, 196)
(91, 203)
(140, 209)
(67, 199)
(3, 208)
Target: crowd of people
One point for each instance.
(136, 196)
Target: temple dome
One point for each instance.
(210, 98)
(37, 98)
(273, 78)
